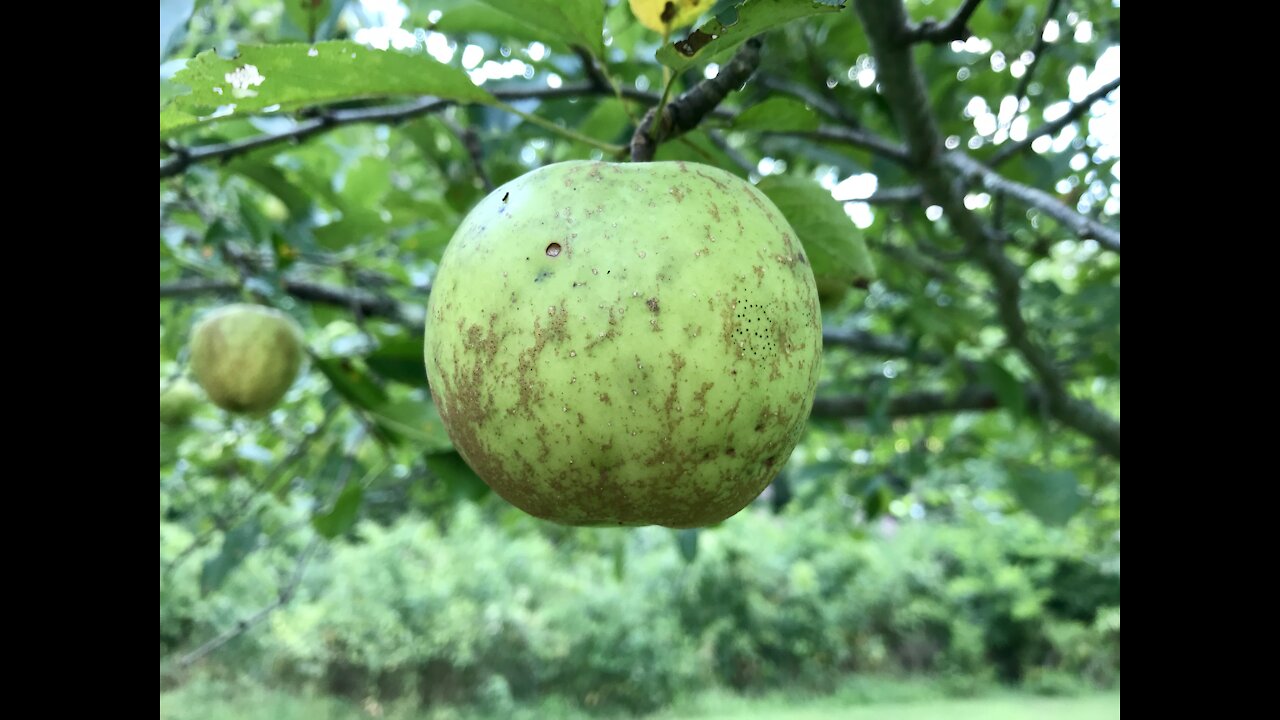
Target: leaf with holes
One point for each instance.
(720, 36)
(295, 75)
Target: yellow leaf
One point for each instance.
(666, 15)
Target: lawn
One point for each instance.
(1098, 707)
(219, 701)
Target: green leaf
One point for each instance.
(577, 22)
(876, 499)
(721, 35)
(835, 247)
(777, 113)
(1053, 496)
(354, 385)
(1007, 388)
(296, 75)
(339, 519)
(467, 19)
(413, 420)
(258, 225)
(399, 358)
(273, 181)
(687, 543)
(236, 546)
(461, 481)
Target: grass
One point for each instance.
(1098, 707)
(859, 700)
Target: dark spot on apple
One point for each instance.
(652, 303)
(731, 452)
(553, 249)
(768, 462)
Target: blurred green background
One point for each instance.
(945, 541)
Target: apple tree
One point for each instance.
(950, 169)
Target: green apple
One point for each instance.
(625, 344)
(246, 357)
(178, 402)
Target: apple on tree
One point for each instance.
(246, 357)
(625, 344)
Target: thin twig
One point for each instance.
(364, 302)
(1079, 223)
(1049, 128)
(687, 111)
(475, 150)
(243, 625)
(810, 98)
(891, 196)
(1037, 50)
(283, 597)
(955, 28)
(732, 153)
(185, 157)
(849, 136)
(970, 398)
(285, 463)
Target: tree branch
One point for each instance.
(285, 594)
(196, 286)
(849, 136)
(1036, 51)
(471, 141)
(955, 28)
(267, 483)
(970, 398)
(685, 112)
(811, 98)
(891, 196)
(903, 88)
(243, 625)
(595, 76)
(723, 146)
(184, 157)
(1049, 128)
(879, 345)
(1082, 225)
(366, 303)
